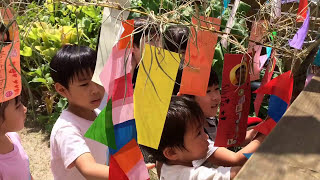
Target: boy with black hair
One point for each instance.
(72, 155)
(183, 140)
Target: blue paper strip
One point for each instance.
(317, 59)
(124, 133)
(277, 107)
(247, 155)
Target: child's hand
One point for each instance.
(150, 166)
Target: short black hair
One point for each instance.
(182, 111)
(176, 38)
(143, 26)
(72, 60)
(213, 80)
(4, 29)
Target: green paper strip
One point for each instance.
(101, 129)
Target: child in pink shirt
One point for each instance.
(14, 163)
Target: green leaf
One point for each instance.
(39, 80)
(26, 51)
(91, 11)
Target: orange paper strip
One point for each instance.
(10, 78)
(125, 39)
(199, 57)
(131, 150)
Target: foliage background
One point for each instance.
(48, 25)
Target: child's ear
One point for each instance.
(61, 89)
(170, 153)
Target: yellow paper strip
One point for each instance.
(152, 97)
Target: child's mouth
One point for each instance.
(96, 102)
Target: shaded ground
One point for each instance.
(36, 145)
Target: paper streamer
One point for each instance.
(266, 78)
(266, 126)
(10, 78)
(109, 36)
(302, 11)
(153, 92)
(199, 59)
(101, 129)
(235, 101)
(298, 39)
(317, 59)
(125, 39)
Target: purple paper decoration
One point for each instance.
(299, 37)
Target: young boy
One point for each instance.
(4, 34)
(72, 155)
(183, 140)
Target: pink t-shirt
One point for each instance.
(67, 143)
(15, 164)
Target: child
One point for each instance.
(72, 155)
(4, 34)
(183, 140)
(14, 162)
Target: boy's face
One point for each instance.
(83, 92)
(3, 37)
(210, 102)
(14, 116)
(195, 143)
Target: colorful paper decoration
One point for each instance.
(109, 36)
(247, 155)
(235, 101)
(124, 133)
(280, 89)
(153, 92)
(266, 78)
(302, 10)
(115, 171)
(125, 39)
(298, 39)
(10, 78)
(266, 126)
(199, 57)
(130, 160)
(118, 64)
(101, 129)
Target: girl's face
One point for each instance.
(14, 116)
(210, 102)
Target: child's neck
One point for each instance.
(6, 145)
(82, 112)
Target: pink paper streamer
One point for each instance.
(115, 68)
(139, 171)
(298, 39)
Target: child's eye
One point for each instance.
(208, 91)
(85, 84)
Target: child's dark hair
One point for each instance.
(72, 60)
(4, 105)
(176, 38)
(143, 27)
(213, 80)
(182, 112)
(5, 30)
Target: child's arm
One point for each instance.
(249, 136)
(90, 169)
(224, 157)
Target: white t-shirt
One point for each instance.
(211, 150)
(178, 172)
(67, 143)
